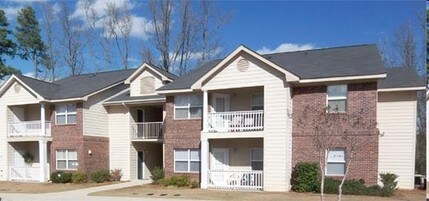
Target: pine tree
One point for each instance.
(28, 36)
(7, 47)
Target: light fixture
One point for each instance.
(89, 152)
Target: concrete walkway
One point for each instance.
(77, 195)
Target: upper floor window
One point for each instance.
(257, 102)
(188, 106)
(65, 114)
(337, 98)
(147, 85)
(336, 162)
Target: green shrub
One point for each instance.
(355, 187)
(179, 181)
(157, 174)
(100, 176)
(116, 175)
(389, 184)
(79, 177)
(331, 186)
(61, 177)
(374, 190)
(194, 184)
(306, 177)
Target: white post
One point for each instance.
(204, 163)
(42, 119)
(205, 110)
(42, 160)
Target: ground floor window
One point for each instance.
(186, 160)
(66, 159)
(336, 162)
(256, 159)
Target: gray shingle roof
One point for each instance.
(317, 63)
(45, 89)
(125, 96)
(401, 77)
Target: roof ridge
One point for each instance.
(322, 48)
(110, 71)
(37, 80)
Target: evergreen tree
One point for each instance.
(7, 47)
(28, 36)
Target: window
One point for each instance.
(67, 160)
(188, 106)
(66, 114)
(147, 85)
(186, 160)
(336, 162)
(337, 98)
(256, 159)
(257, 102)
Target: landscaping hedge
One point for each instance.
(61, 177)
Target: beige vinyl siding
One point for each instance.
(119, 139)
(396, 117)
(95, 114)
(135, 86)
(277, 132)
(10, 97)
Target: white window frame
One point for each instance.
(67, 159)
(335, 162)
(251, 100)
(329, 98)
(65, 114)
(189, 160)
(188, 107)
(251, 158)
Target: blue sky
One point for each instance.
(286, 25)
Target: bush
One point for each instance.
(116, 175)
(100, 176)
(306, 177)
(157, 174)
(79, 177)
(179, 181)
(374, 190)
(61, 177)
(194, 184)
(389, 184)
(355, 187)
(331, 186)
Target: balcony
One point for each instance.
(28, 129)
(236, 179)
(27, 174)
(237, 121)
(146, 131)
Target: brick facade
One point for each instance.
(179, 134)
(361, 97)
(71, 137)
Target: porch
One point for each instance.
(235, 164)
(28, 121)
(145, 156)
(146, 122)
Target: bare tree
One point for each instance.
(72, 44)
(51, 56)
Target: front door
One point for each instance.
(221, 102)
(18, 159)
(219, 166)
(140, 119)
(140, 165)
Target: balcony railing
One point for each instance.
(236, 121)
(236, 179)
(28, 128)
(146, 130)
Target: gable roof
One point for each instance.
(401, 78)
(347, 61)
(164, 74)
(125, 97)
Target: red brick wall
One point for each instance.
(71, 137)
(360, 97)
(179, 134)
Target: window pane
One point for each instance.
(257, 107)
(181, 100)
(61, 164)
(181, 113)
(335, 169)
(181, 155)
(61, 154)
(196, 100)
(181, 166)
(256, 154)
(337, 90)
(337, 105)
(196, 112)
(257, 165)
(71, 119)
(336, 155)
(73, 164)
(257, 99)
(72, 155)
(71, 108)
(61, 108)
(195, 154)
(61, 119)
(195, 166)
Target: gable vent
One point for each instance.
(147, 85)
(242, 65)
(17, 88)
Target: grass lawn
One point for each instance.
(25, 187)
(156, 191)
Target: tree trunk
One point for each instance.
(340, 187)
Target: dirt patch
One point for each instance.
(24, 187)
(156, 191)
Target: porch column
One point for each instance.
(42, 119)
(204, 163)
(42, 160)
(205, 110)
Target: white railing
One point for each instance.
(24, 174)
(236, 179)
(146, 130)
(28, 128)
(236, 121)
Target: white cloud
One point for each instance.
(286, 47)
(12, 11)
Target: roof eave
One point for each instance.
(140, 69)
(393, 89)
(343, 78)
